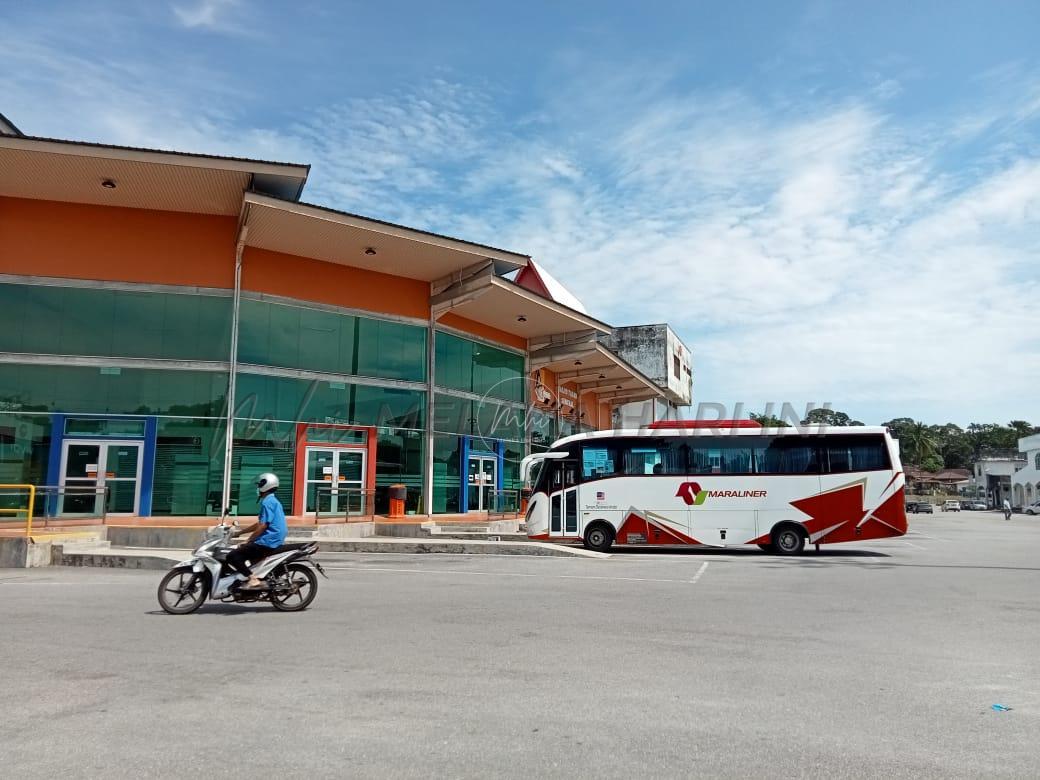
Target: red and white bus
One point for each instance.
(718, 483)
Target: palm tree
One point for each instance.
(918, 443)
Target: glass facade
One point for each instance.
(64, 391)
(114, 323)
(274, 334)
(473, 367)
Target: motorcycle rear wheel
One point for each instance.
(182, 591)
(303, 584)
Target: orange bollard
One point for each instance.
(398, 493)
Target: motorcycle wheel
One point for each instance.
(303, 587)
(182, 591)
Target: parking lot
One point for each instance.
(877, 660)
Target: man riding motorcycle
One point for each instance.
(267, 533)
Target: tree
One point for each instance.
(919, 447)
(769, 421)
(898, 426)
(952, 445)
(829, 417)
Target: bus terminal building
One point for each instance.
(173, 324)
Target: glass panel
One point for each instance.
(120, 496)
(787, 455)
(554, 513)
(100, 426)
(333, 435)
(467, 365)
(114, 323)
(351, 466)
(720, 456)
(647, 456)
(473, 483)
(332, 402)
(301, 337)
(79, 499)
(82, 461)
(856, 453)
(189, 467)
(131, 391)
(24, 447)
(598, 461)
(122, 461)
(446, 470)
(320, 466)
(571, 515)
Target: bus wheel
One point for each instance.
(788, 539)
(599, 537)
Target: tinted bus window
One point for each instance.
(787, 455)
(856, 453)
(721, 456)
(633, 457)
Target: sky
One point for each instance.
(830, 202)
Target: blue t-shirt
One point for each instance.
(271, 512)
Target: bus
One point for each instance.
(718, 484)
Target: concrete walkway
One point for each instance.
(103, 555)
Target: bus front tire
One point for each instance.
(788, 539)
(599, 537)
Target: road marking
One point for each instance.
(496, 574)
(919, 547)
(700, 571)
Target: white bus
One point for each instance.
(718, 483)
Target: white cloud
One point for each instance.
(807, 250)
(215, 15)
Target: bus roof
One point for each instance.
(801, 430)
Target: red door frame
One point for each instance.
(302, 443)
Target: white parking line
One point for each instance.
(495, 574)
(919, 547)
(700, 571)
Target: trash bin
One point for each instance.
(398, 493)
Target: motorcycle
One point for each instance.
(288, 574)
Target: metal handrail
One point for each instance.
(366, 504)
(54, 493)
(28, 509)
(504, 502)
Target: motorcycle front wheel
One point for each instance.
(182, 591)
(295, 590)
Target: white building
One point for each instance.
(991, 478)
(1025, 483)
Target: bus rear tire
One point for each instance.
(599, 537)
(788, 539)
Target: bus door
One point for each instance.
(563, 499)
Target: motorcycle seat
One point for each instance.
(293, 546)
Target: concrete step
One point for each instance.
(485, 535)
(106, 556)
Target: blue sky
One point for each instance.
(830, 202)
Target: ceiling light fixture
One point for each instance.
(108, 184)
(577, 362)
(370, 250)
(602, 376)
(521, 318)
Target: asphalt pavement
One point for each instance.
(876, 660)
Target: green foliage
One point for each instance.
(829, 417)
(952, 447)
(769, 421)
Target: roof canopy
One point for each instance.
(72, 171)
(348, 239)
(590, 366)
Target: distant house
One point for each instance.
(944, 481)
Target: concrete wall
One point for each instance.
(652, 349)
(21, 553)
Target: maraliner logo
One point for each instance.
(692, 494)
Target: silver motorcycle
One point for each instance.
(288, 574)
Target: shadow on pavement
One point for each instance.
(699, 552)
(222, 610)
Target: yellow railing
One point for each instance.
(28, 509)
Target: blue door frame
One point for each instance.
(468, 449)
(58, 437)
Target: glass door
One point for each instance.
(335, 481)
(480, 482)
(99, 477)
(563, 498)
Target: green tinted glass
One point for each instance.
(274, 334)
(24, 445)
(189, 467)
(446, 479)
(328, 402)
(91, 390)
(462, 364)
(486, 418)
(114, 323)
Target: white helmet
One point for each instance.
(266, 482)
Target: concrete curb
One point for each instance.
(107, 558)
(454, 547)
